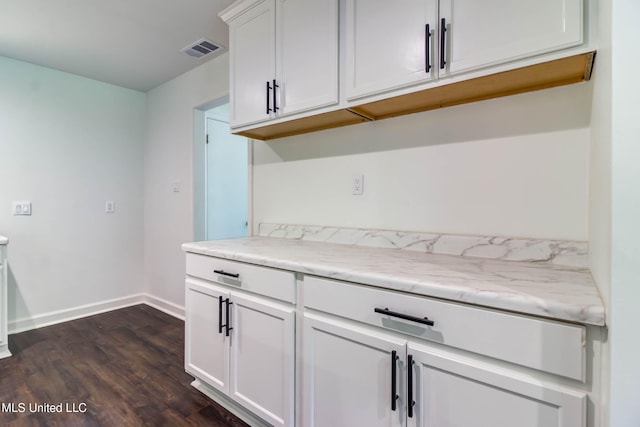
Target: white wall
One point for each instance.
(67, 144)
(600, 184)
(625, 216)
(168, 216)
(515, 166)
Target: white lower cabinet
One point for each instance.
(243, 346)
(365, 356)
(449, 390)
(263, 358)
(207, 348)
(348, 375)
(356, 375)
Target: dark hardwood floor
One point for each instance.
(126, 366)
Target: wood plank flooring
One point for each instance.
(126, 366)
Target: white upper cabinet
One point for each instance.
(391, 45)
(307, 54)
(297, 66)
(283, 58)
(489, 32)
(251, 54)
(387, 44)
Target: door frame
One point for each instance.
(199, 170)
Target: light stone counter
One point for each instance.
(541, 289)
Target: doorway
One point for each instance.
(227, 177)
(221, 181)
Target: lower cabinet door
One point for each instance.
(206, 347)
(263, 358)
(348, 373)
(452, 391)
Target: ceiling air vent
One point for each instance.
(201, 48)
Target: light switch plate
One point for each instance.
(357, 185)
(21, 208)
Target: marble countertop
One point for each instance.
(552, 291)
(3, 240)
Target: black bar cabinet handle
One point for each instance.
(227, 324)
(268, 96)
(224, 273)
(220, 314)
(427, 37)
(394, 393)
(410, 401)
(443, 30)
(275, 106)
(423, 320)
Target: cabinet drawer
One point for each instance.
(550, 346)
(266, 281)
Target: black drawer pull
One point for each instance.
(427, 43)
(394, 379)
(423, 320)
(443, 40)
(268, 93)
(220, 314)
(275, 102)
(228, 328)
(224, 273)
(410, 401)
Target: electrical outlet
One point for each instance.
(109, 206)
(357, 185)
(175, 186)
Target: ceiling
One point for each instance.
(131, 43)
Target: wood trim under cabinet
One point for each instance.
(314, 123)
(573, 69)
(559, 72)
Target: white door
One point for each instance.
(306, 54)
(387, 44)
(488, 32)
(452, 391)
(251, 55)
(227, 182)
(263, 358)
(348, 375)
(206, 344)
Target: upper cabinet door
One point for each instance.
(252, 50)
(387, 45)
(481, 33)
(306, 54)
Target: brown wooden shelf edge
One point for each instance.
(564, 71)
(313, 123)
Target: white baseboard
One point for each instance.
(165, 306)
(60, 316)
